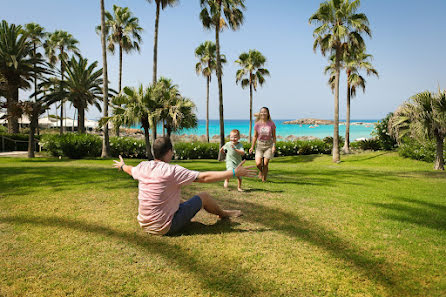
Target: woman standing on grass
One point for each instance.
(265, 135)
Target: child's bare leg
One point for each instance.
(225, 184)
(211, 206)
(239, 181)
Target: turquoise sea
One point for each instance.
(284, 130)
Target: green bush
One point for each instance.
(381, 132)
(128, 147)
(413, 149)
(72, 145)
(196, 150)
(302, 147)
(3, 129)
(368, 144)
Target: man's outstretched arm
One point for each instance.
(121, 166)
(213, 176)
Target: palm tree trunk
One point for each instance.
(13, 121)
(155, 41)
(250, 108)
(119, 85)
(61, 101)
(106, 142)
(220, 84)
(346, 148)
(439, 159)
(335, 152)
(32, 129)
(81, 120)
(145, 125)
(35, 86)
(207, 108)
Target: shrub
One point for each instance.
(302, 147)
(71, 145)
(196, 150)
(381, 132)
(413, 149)
(128, 147)
(368, 144)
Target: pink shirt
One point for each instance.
(265, 130)
(159, 193)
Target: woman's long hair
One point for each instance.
(258, 115)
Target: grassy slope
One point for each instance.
(374, 225)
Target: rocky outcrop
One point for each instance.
(310, 122)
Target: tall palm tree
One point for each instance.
(338, 27)
(82, 87)
(57, 46)
(36, 34)
(207, 63)
(216, 14)
(105, 141)
(354, 60)
(160, 4)
(17, 67)
(423, 117)
(123, 29)
(251, 66)
(135, 105)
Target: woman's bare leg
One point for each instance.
(265, 168)
(259, 164)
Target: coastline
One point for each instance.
(359, 129)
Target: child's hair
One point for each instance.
(257, 115)
(236, 131)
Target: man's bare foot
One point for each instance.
(225, 184)
(231, 214)
(240, 190)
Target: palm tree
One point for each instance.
(206, 54)
(105, 141)
(82, 87)
(17, 67)
(216, 14)
(174, 110)
(338, 27)
(135, 105)
(57, 47)
(423, 117)
(160, 4)
(251, 64)
(354, 60)
(123, 29)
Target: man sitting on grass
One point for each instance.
(160, 210)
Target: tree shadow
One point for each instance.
(414, 211)
(372, 267)
(56, 178)
(296, 159)
(219, 227)
(186, 260)
(360, 158)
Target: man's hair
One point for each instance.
(161, 146)
(236, 131)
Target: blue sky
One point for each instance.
(408, 42)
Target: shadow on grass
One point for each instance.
(56, 178)
(296, 159)
(232, 282)
(360, 158)
(372, 267)
(415, 211)
(221, 226)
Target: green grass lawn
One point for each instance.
(373, 225)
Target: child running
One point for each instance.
(234, 152)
